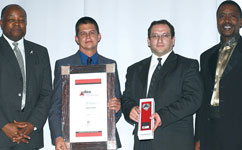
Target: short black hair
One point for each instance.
(230, 2)
(10, 5)
(162, 22)
(86, 20)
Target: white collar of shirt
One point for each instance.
(154, 61)
(153, 64)
(20, 46)
(20, 43)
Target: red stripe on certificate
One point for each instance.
(88, 134)
(88, 81)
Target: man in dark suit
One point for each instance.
(219, 120)
(25, 84)
(177, 92)
(87, 37)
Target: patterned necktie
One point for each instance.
(89, 61)
(154, 79)
(21, 66)
(224, 55)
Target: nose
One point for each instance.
(160, 39)
(16, 22)
(88, 35)
(227, 18)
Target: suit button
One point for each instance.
(19, 94)
(208, 119)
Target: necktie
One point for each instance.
(154, 79)
(21, 66)
(223, 59)
(89, 60)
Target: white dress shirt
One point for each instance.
(153, 63)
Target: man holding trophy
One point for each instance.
(169, 81)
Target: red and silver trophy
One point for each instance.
(147, 108)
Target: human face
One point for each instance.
(88, 38)
(160, 41)
(14, 23)
(228, 21)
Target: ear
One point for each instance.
(173, 41)
(76, 39)
(148, 41)
(99, 37)
(241, 22)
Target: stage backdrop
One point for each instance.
(123, 25)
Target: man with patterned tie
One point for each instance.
(25, 84)
(87, 37)
(219, 120)
(174, 83)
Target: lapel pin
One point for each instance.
(31, 52)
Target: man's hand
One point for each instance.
(114, 104)
(157, 120)
(10, 130)
(25, 128)
(60, 144)
(134, 114)
(197, 145)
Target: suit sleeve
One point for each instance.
(190, 99)
(197, 126)
(56, 104)
(3, 120)
(199, 112)
(40, 112)
(128, 100)
(117, 93)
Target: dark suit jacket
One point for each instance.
(230, 96)
(56, 104)
(179, 96)
(38, 94)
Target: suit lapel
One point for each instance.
(31, 59)
(101, 60)
(235, 58)
(77, 59)
(169, 65)
(212, 62)
(143, 71)
(8, 53)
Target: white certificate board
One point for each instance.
(88, 107)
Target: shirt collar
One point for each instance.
(84, 58)
(230, 42)
(154, 57)
(10, 42)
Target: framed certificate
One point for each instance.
(87, 123)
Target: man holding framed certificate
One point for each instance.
(87, 37)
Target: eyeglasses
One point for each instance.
(157, 36)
